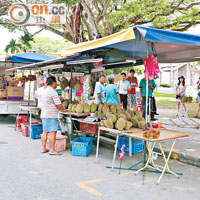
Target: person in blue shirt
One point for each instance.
(100, 90)
(112, 92)
(151, 87)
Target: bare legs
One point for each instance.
(44, 141)
(52, 140)
(198, 110)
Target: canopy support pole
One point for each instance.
(71, 83)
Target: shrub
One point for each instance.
(165, 85)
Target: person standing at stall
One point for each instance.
(132, 100)
(100, 90)
(151, 87)
(112, 92)
(124, 87)
(50, 107)
(180, 92)
(198, 97)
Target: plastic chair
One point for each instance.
(19, 120)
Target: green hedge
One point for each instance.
(165, 85)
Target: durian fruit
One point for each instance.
(75, 102)
(128, 125)
(102, 123)
(74, 108)
(122, 115)
(106, 108)
(96, 114)
(119, 112)
(65, 104)
(64, 83)
(113, 108)
(120, 124)
(99, 114)
(74, 82)
(141, 119)
(79, 108)
(118, 107)
(141, 124)
(78, 87)
(135, 122)
(184, 99)
(70, 107)
(190, 99)
(138, 114)
(86, 108)
(93, 107)
(107, 114)
(108, 123)
(128, 115)
(100, 107)
(112, 118)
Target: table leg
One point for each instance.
(116, 144)
(130, 147)
(166, 161)
(30, 124)
(17, 122)
(97, 148)
(150, 151)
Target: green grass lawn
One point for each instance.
(157, 94)
(166, 104)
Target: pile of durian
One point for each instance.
(186, 99)
(119, 119)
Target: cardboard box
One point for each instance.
(3, 94)
(11, 84)
(15, 93)
(2, 86)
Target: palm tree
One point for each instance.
(25, 41)
(14, 47)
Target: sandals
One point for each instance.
(45, 151)
(55, 154)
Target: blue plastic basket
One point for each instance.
(82, 146)
(137, 145)
(36, 131)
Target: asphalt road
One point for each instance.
(25, 173)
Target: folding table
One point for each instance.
(117, 133)
(165, 134)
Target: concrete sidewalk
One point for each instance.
(188, 149)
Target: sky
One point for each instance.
(6, 36)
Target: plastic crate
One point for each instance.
(25, 128)
(36, 131)
(90, 128)
(82, 146)
(137, 145)
(60, 144)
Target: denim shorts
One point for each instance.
(50, 124)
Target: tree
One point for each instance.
(90, 19)
(13, 47)
(46, 46)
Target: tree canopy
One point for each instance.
(90, 19)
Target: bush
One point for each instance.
(165, 85)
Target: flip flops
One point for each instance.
(45, 151)
(55, 154)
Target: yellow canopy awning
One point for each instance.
(121, 36)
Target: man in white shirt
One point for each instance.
(124, 86)
(50, 107)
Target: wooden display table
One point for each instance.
(164, 135)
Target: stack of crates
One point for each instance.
(137, 145)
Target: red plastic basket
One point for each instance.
(90, 128)
(25, 128)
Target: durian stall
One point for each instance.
(125, 49)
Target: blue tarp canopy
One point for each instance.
(30, 57)
(167, 46)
